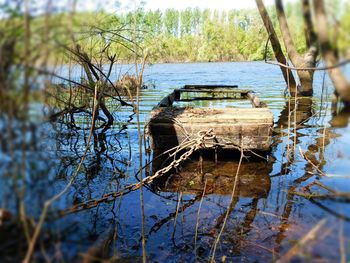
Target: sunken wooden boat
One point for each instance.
(219, 177)
(235, 127)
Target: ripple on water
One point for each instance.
(265, 217)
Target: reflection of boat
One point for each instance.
(253, 180)
(248, 127)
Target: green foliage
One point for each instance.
(191, 34)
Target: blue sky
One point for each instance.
(38, 6)
(126, 5)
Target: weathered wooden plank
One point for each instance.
(189, 110)
(247, 127)
(199, 115)
(212, 110)
(255, 129)
(196, 86)
(209, 94)
(212, 120)
(218, 90)
(261, 143)
(255, 100)
(167, 101)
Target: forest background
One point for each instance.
(189, 35)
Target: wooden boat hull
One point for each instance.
(249, 128)
(234, 128)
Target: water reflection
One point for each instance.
(294, 141)
(219, 177)
(267, 215)
(341, 119)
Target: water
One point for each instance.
(266, 216)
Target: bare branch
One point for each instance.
(276, 46)
(340, 83)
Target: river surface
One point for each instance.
(270, 213)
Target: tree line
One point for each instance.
(195, 34)
(192, 34)
(189, 35)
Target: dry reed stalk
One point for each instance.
(272, 251)
(49, 202)
(323, 143)
(295, 123)
(116, 220)
(212, 259)
(328, 231)
(311, 235)
(288, 129)
(176, 214)
(26, 90)
(197, 221)
(318, 183)
(139, 83)
(342, 243)
(310, 162)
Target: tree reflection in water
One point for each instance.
(266, 215)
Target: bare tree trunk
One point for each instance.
(309, 32)
(305, 77)
(341, 85)
(276, 46)
(310, 39)
(287, 38)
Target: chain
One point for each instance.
(193, 145)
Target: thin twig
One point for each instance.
(196, 144)
(339, 196)
(197, 222)
(212, 260)
(341, 243)
(49, 202)
(311, 235)
(309, 161)
(340, 64)
(176, 214)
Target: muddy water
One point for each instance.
(269, 212)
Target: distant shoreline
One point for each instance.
(166, 62)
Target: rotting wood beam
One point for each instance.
(167, 101)
(256, 102)
(196, 86)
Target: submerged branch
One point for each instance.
(343, 196)
(336, 65)
(193, 146)
(49, 202)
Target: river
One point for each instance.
(271, 212)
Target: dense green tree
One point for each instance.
(171, 22)
(153, 22)
(192, 34)
(186, 24)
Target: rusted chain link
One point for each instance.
(192, 145)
